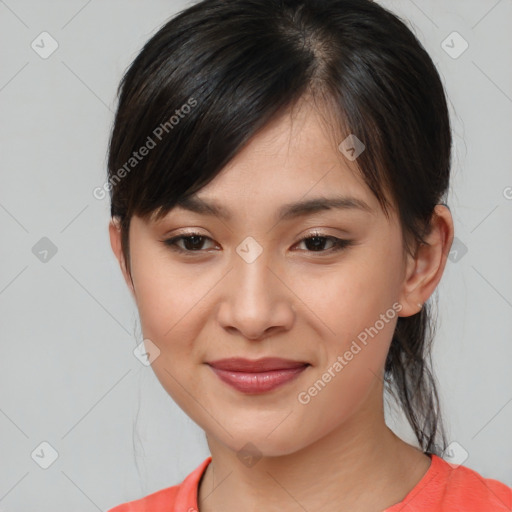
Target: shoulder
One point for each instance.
(454, 487)
(182, 497)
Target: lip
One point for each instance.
(257, 376)
(239, 364)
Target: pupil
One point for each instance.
(193, 242)
(316, 241)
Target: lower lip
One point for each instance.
(258, 382)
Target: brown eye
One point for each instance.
(192, 242)
(317, 242)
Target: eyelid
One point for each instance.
(338, 243)
(172, 242)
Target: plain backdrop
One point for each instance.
(72, 394)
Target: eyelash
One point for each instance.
(338, 243)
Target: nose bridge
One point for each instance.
(252, 273)
(255, 300)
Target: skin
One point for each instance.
(335, 452)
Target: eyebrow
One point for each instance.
(286, 212)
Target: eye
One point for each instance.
(315, 242)
(193, 242)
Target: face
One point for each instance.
(320, 285)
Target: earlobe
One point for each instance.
(115, 242)
(425, 269)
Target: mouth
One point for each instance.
(257, 376)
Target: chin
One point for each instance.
(252, 445)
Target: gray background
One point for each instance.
(68, 324)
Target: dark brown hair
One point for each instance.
(219, 71)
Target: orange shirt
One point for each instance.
(443, 488)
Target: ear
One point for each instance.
(114, 230)
(425, 269)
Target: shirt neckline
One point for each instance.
(436, 465)
(188, 493)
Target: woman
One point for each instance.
(277, 172)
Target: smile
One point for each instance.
(258, 382)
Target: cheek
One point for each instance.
(168, 296)
(355, 305)
(169, 302)
(351, 296)
(174, 303)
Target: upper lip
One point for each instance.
(239, 364)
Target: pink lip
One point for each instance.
(257, 376)
(239, 364)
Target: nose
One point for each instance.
(257, 303)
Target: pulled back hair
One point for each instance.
(220, 70)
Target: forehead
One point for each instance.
(294, 156)
(290, 168)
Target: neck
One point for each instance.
(360, 466)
